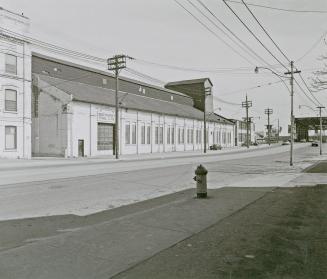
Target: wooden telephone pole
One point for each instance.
(268, 111)
(117, 63)
(247, 104)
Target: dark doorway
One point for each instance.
(106, 139)
(80, 148)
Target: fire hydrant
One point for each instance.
(201, 182)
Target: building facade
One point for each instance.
(240, 132)
(74, 116)
(15, 87)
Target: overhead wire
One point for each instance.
(212, 32)
(313, 46)
(250, 88)
(280, 9)
(302, 90)
(53, 47)
(192, 69)
(264, 30)
(145, 76)
(243, 47)
(233, 34)
(254, 35)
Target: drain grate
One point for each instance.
(321, 167)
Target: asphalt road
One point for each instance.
(90, 188)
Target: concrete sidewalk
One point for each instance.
(7, 164)
(101, 245)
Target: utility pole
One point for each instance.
(207, 92)
(247, 104)
(116, 63)
(320, 108)
(278, 131)
(292, 72)
(268, 111)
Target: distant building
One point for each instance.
(240, 132)
(308, 128)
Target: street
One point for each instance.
(106, 238)
(92, 186)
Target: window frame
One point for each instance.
(5, 100)
(6, 69)
(15, 138)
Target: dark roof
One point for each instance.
(106, 73)
(97, 95)
(189, 81)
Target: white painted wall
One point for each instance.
(21, 82)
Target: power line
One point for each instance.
(247, 49)
(233, 34)
(313, 46)
(264, 30)
(212, 32)
(309, 98)
(250, 88)
(314, 97)
(255, 36)
(52, 47)
(145, 76)
(226, 102)
(280, 9)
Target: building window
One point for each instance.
(183, 136)
(148, 135)
(172, 135)
(142, 134)
(168, 135)
(105, 136)
(10, 137)
(156, 136)
(127, 134)
(161, 135)
(134, 133)
(10, 100)
(11, 64)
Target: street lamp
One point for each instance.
(291, 72)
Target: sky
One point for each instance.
(162, 32)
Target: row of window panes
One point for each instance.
(130, 135)
(11, 64)
(10, 100)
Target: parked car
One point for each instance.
(285, 142)
(315, 144)
(215, 147)
(303, 140)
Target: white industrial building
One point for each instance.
(55, 105)
(74, 116)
